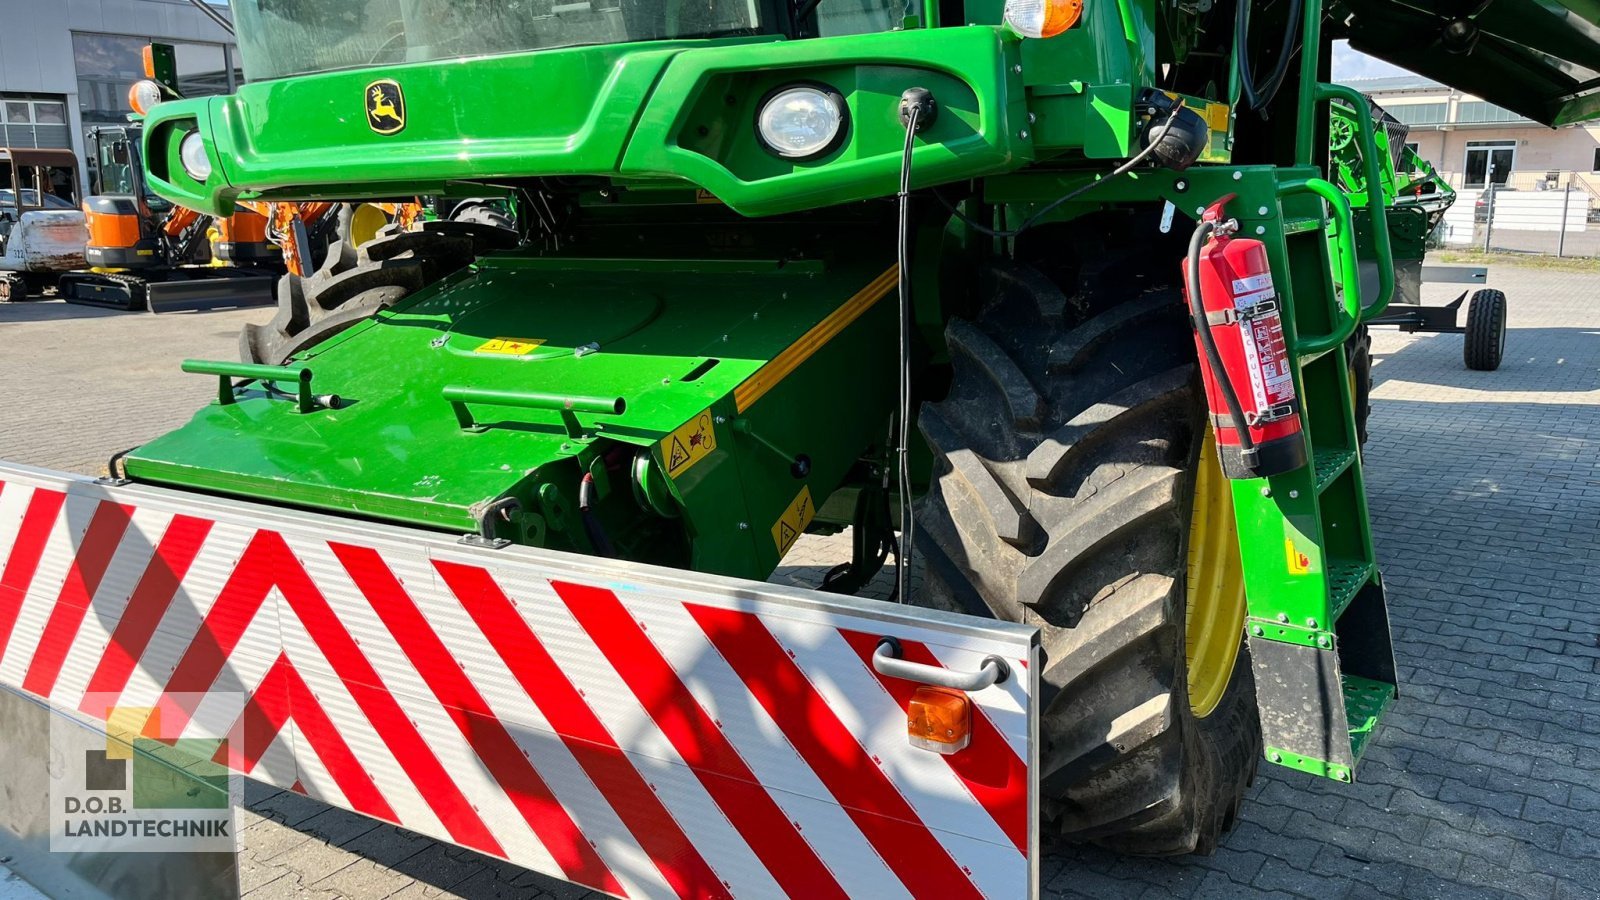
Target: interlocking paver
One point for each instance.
(1485, 500)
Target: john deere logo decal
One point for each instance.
(386, 106)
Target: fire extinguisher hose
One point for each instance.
(1197, 313)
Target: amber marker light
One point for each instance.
(939, 719)
(143, 96)
(1042, 18)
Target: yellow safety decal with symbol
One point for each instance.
(509, 346)
(693, 441)
(793, 522)
(1299, 563)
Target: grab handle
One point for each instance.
(886, 660)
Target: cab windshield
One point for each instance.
(293, 37)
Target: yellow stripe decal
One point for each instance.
(767, 377)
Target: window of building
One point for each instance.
(108, 64)
(1596, 166)
(1470, 112)
(1420, 113)
(34, 120)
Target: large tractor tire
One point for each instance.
(1076, 488)
(353, 284)
(1358, 359)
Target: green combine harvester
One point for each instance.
(764, 269)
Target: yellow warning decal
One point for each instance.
(509, 346)
(693, 441)
(1217, 116)
(1299, 563)
(793, 522)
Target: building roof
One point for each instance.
(1394, 83)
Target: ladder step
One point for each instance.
(1330, 464)
(1365, 702)
(1302, 224)
(1346, 578)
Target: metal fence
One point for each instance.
(1556, 214)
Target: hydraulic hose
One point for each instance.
(1197, 312)
(1258, 96)
(591, 522)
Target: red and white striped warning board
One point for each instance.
(642, 731)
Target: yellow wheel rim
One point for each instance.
(1215, 609)
(365, 221)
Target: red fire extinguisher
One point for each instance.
(1244, 360)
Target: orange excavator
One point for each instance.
(145, 253)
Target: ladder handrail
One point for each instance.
(1344, 325)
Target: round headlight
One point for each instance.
(143, 96)
(801, 121)
(192, 152)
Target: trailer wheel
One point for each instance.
(350, 286)
(1076, 488)
(1485, 341)
(1358, 359)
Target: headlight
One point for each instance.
(801, 121)
(192, 152)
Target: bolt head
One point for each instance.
(1311, 623)
(1261, 229)
(1238, 176)
(1262, 211)
(1032, 118)
(1017, 68)
(744, 526)
(1023, 134)
(1266, 491)
(1283, 617)
(1294, 495)
(1276, 756)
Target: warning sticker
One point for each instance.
(793, 522)
(693, 441)
(509, 346)
(1299, 563)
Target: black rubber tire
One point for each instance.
(13, 288)
(1063, 485)
(484, 212)
(350, 287)
(1358, 356)
(1484, 344)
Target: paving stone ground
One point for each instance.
(1485, 495)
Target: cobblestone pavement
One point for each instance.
(1484, 781)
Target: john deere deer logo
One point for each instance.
(386, 107)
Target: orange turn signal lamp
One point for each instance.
(149, 55)
(939, 719)
(1042, 18)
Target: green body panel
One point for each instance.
(671, 111)
(675, 338)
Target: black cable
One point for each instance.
(903, 254)
(1032, 220)
(1197, 312)
(1258, 96)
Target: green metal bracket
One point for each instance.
(567, 405)
(1281, 630)
(227, 371)
(1309, 764)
